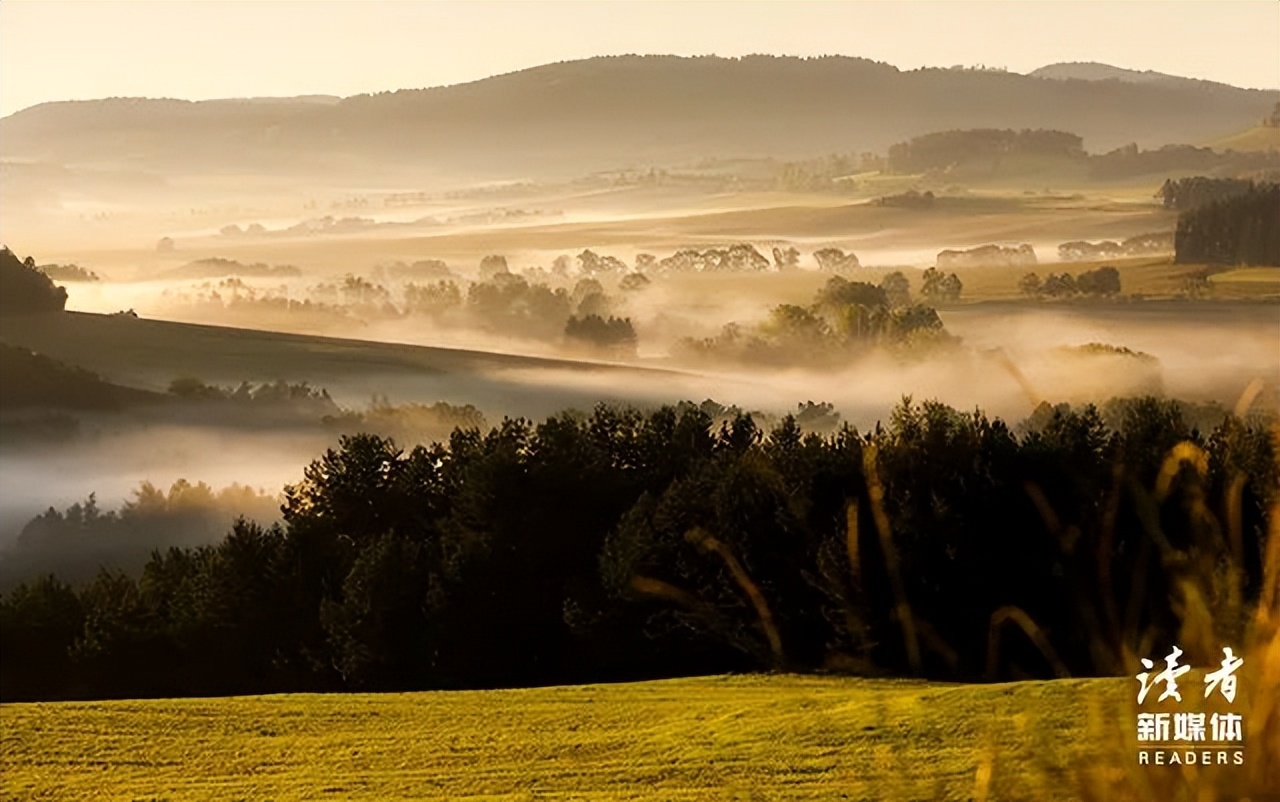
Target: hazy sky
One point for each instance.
(195, 50)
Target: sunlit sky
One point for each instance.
(197, 50)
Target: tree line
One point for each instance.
(1102, 282)
(1188, 193)
(625, 544)
(983, 151)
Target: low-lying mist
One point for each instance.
(114, 465)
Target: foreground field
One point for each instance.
(747, 738)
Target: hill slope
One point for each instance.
(612, 111)
(149, 354)
(1257, 138)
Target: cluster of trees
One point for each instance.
(504, 303)
(24, 290)
(844, 319)
(68, 273)
(250, 230)
(989, 255)
(219, 267)
(433, 299)
(786, 258)
(1102, 282)
(590, 263)
(298, 397)
(739, 258)
(621, 545)
(356, 292)
(939, 287)
(509, 304)
(1242, 229)
(835, 260)
(409, 423)
(1139, 245)
(231, 299)
(947, 149)
(614, 335)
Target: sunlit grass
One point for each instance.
(778, 737)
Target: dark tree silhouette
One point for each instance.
(24, 290)
(1243, 229)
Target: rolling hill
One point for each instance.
(149, 354)
(572, 117)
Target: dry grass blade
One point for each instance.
(875, 493)
(704, 539)
(1037, 636)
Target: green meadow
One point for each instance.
(780, 737)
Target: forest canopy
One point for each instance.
(626, 544)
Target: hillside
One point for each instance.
(598, 113)
(1256, 138)
(28, 379)
(151, 353)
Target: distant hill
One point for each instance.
(599, 113)
(1094, 71)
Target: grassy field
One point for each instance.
(1247, 282)
(722, 738)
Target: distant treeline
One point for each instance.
(68, 273)
(944, 149)
(1188, 193)
(1104, 281)
(1139, 245)
(218, 267)
(623, 545)
(1239, 229)
(1130, 161)
(988, 150)
(563, 303)
(75, 543)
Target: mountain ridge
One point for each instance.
(607, 112)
